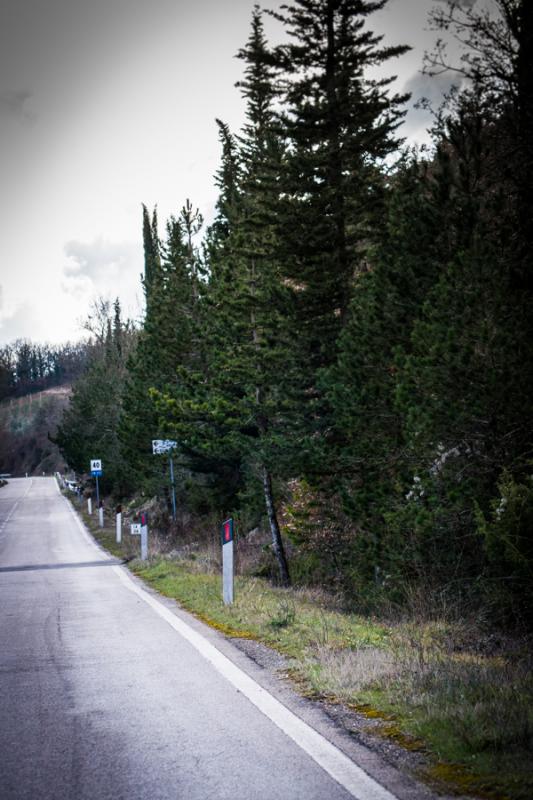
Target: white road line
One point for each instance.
(341, 768)
(14, 507)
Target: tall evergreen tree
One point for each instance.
(239, 412)
(340, 125)
(164, 342)
(152, 254)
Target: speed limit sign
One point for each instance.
(96, 466)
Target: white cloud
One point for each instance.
(102, 268)
(103, 265)
(21, 324)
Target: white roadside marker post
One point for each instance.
(119, 524)
(141, 529)
(89, 506)
(101, 513)
(144, 537)
(227, 562)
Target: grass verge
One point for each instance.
(423, 685)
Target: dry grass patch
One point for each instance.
(346, 673)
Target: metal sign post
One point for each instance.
(227, 561)
(96, 471)
(172, 488)
(160, 446)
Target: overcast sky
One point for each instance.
(106, 104)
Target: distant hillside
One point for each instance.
(25, 425)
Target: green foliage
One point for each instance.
(237, 408)
(165, 343)
(508, 543)
(339, 125)
(353, 344)
(28, 367)
(26, 427)
(89, 427)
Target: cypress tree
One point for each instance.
(164, 343)
(151, 250)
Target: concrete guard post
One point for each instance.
(119, 524)
(227, 561)
(144, 537)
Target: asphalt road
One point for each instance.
(106, 692)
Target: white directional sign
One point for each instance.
(162, 446)
(135, 528)
(96, 466)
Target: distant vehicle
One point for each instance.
(72, 486)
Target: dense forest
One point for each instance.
(35, 381)
(27, 367)
(346, 353)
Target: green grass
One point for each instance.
(473, 716)
(421, 685)
(291, 621)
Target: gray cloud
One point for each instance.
(425, 91)
(14, 104)
(431, 88)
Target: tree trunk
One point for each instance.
(277, 543)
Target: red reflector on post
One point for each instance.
(227, 531)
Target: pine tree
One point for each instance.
(241, 404)
(339, 124)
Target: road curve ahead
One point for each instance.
(107, 693)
